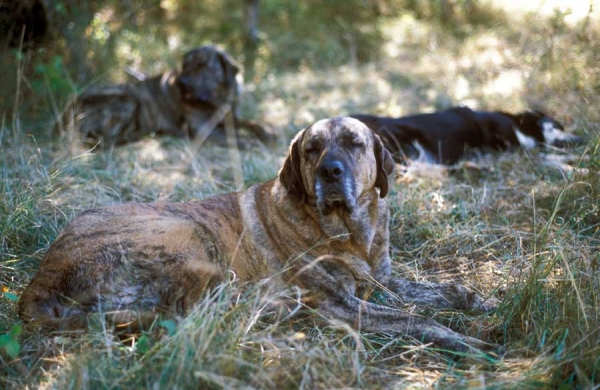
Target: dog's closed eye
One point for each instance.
(313, 147)
(352, 141)
(358, 144)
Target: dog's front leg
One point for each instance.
(440, 295)
(333, 284)
(371, 317)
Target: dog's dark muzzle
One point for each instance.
(194, 94)
(196, 97)
(334, 190)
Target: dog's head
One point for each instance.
(208, 77)
(333, 163)
(536, 128)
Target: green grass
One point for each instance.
(507, 225)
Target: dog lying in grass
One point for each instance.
(321, 224)
(444, 137)
(191, 102)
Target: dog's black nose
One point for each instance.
(331, 171)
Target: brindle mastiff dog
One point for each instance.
(322, 225)
(174, 103)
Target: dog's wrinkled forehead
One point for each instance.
(342, 130)
(201, 55)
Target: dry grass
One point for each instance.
(507, 225)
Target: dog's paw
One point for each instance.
(441, 296)
(462, 298)
(458, 344)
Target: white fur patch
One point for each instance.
(550, 133)
(526, 141)
(319, 191)
(424, 155)
(349, 191)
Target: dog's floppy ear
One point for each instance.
(290, 175)
(385, 166)
(230, 67)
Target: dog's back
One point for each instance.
(122, 113)
(445, 136)
(133, 258)
(437, 137)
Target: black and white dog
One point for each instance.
(444, 137)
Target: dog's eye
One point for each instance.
(312, 149)
(356, 144)
(351, 141)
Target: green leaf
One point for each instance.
(57, 62)
(61, 9)
(4, 339)
(15, 332)
(12, 348)
(170, 326)
(143, 344)
(11, 296)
